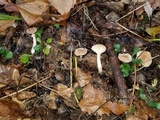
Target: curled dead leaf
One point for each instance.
(25, 95)
(83, 77)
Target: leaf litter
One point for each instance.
(61, 85)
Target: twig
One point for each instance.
(14, 93)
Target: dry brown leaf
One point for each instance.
(91, 105)
(25, 95)
(2, 2)
(50, 100)
(63, 6)
(63, 38)
(4, 24)
(116, 108)
(90, 92)
(9, 75)
(32, 11)
(10, 110)
(83, 77)
(64, 91)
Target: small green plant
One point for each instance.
(25, 58)
(6, 53)
(149, 102)
(57, 25)
(127, 68)
(8, 17)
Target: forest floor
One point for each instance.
(42, 77)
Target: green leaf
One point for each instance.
(25, 58)
(57, 25)
(138, 61)
(135, 50)
(8, 17)
(49, 40)
(126, 69)
(151, 103)
(2, 50)
(8, 54)
(140, 91)
(158, 105)
(37, 48)
(117, 48)
(39, 33)
(46, 50)
(143, 96)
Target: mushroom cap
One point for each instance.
(80, 51)
(125, 57)
(99, 48)
(146, 58)
(31, 30)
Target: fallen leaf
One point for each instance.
(9, 75)
(83, 77)
(153, 31)
(24, 95)
(50, 100)
(64, 91)
(9, 110)
(2, 2)
(90, 92)
(4, 24)
(117, 108)
(63, 38)
(32, 11)
(63, 6)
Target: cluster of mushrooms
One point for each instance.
(145, 56)
(98, 49)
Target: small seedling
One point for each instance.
(25, 58)
(6, 53)
(7, 17)
(117, 48)
(149, 102)
(57, 25)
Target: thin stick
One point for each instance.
(129, 30)
(131, 12)
(14, 93)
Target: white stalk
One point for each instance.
(99, 65)
(34, 43)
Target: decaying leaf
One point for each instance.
(63, 6)
(10, 110)
(50, 100)
(64, 91)
(90, 92)
(9, 75)
(32, 11)
(153, 31)
(25, 95)
(83, 77)
(4, 24)
(63, 38)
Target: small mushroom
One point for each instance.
(125, 57)
(99, 49)
(32, 32)
(80, 52)
(146, 58)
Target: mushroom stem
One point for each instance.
(34, 43)
(99, 65)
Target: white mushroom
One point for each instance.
(80, 52)
(32, 32)
(125, 57)
(146, 58)
(99, 49)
